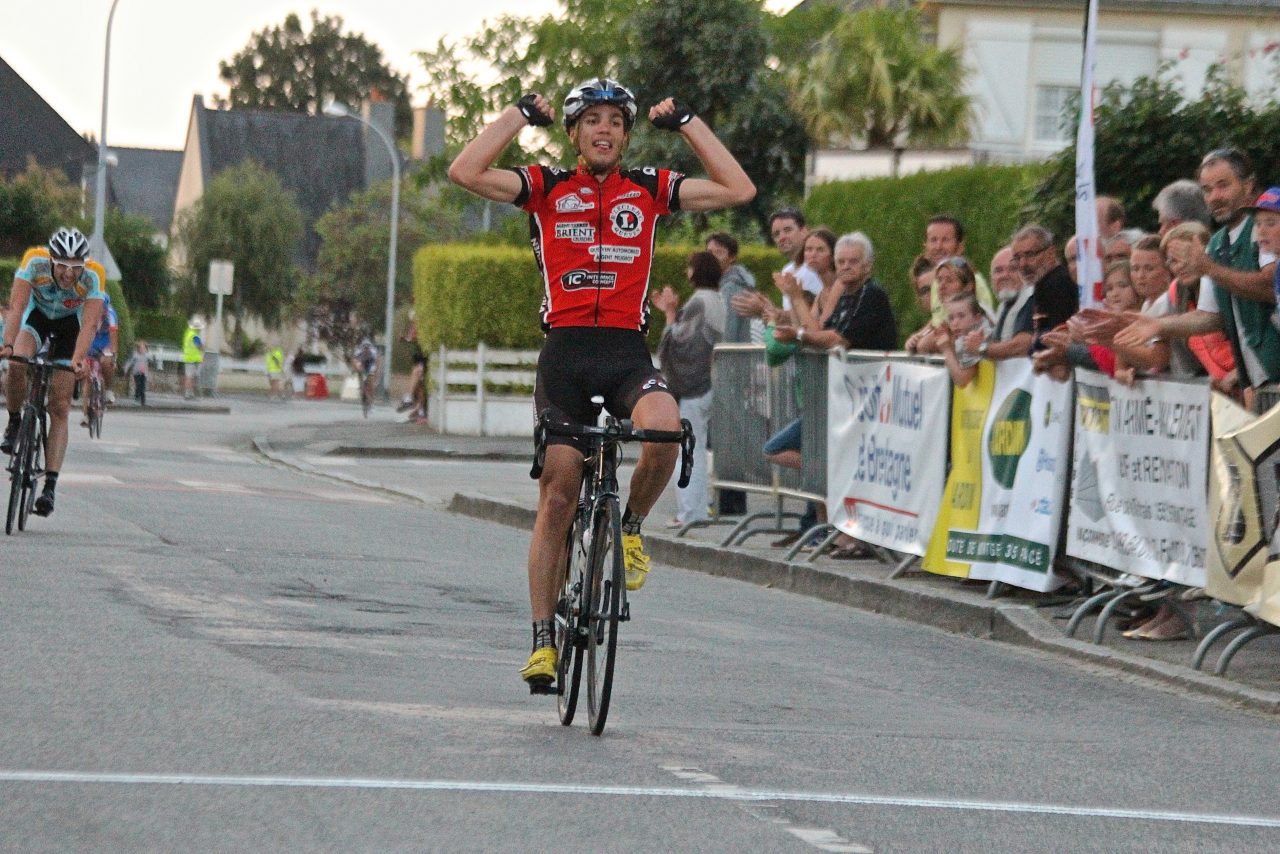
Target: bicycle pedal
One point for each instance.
(542, 686)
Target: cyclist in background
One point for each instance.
(592, 230)
(365, 363)
(103, 348)
(57, 292)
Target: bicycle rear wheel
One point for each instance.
(570, 624)
(605, 584)
(30, 440)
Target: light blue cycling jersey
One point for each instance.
(52, 300)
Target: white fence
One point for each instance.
(482, 392)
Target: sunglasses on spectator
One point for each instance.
(954, 261)
(1019, 257)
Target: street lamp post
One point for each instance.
(98, 242)
(339, 111)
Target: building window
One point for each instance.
(1052, 122)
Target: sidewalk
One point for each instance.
(1018, 617)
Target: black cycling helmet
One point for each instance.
(69, 244)
(601, 90)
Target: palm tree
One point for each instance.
(874, 78)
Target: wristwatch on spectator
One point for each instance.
(982, 348)
(800, 334)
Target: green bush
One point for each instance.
(124, 317)
(156, 325)
(8, 269)
(893, 213)
(467, 293)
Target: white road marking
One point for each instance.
(822, 838)
(321, 462)
(349, 495)
(84, 478)
(210, 486)
(745, 795)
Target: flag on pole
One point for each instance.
(1088, 248)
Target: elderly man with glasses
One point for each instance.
(1054, 295)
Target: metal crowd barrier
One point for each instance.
(752, 402)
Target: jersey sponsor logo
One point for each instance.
(626, 220)
(576, 280)
(586, 191)
(577, 232)
(615, 254)
(72, 303)
(573, 204)
(634, 194)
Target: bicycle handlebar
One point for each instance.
(41, 363)
(619, 430)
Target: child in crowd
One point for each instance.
(1212, 350)
(137, 366)
(964, 315)
(1266, 227)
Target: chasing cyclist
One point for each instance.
(365, 363)
(57, 292)
(102, 350)
(592, 230)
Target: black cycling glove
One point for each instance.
(531, 113)
(675, 120)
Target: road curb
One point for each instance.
(1015, 624)
(394, 452)
(263, 446)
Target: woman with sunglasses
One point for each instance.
(57, 294)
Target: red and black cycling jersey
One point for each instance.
(593, 241)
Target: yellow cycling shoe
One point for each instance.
(541, 669)
(635, 561)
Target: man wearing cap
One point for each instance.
(1237, 291)
(192, 357)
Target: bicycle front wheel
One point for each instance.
(17, 476)
(605, 584)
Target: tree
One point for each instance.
(711, 55)
(144, 271)
(346, 296)
(245, 216)
(1148, 134)
(284, 68)
(33, 205)
(873, 78)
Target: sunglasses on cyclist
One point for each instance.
(68, 265)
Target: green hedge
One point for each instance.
(893, 213)
(467, 293)
(157, 325)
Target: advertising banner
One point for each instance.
(886, 461)
(962, 498)
(1244, 502)
(1024, 474)
(1139, 470)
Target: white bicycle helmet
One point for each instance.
(601, 90)
(69, 244)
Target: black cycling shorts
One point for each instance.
(419, 357)
(64, 330)
(577, 363)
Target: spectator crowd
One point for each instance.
(1196, 299)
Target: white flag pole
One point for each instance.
(1088, 247)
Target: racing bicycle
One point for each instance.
(26, 464)
(593, 597)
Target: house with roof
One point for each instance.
(321, 159)
(1024, 59)
(31, 129)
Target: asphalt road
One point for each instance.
(201, 651)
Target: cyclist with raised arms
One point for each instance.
(592, 230)
(57, 292)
